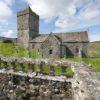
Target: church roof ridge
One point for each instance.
(65, 37)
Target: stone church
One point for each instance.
(53, 45)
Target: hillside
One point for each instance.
(94, 49)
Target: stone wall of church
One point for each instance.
(36, 47)
(51, 48)
(66, 50)
(73, 49)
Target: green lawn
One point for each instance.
(95, 62)
(13, 50)
(94, 49)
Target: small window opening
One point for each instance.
(50, 51)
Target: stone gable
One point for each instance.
(51, 47)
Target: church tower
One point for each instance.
(28, 26)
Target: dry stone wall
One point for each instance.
(84, 85)
(26, 88)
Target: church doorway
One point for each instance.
(68, 53)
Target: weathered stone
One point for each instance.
(28, 26)
(56, 97)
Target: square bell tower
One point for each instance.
(28, 26)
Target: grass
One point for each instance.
(94, 49)
(34, 54)
(7, 49)
(95, 62)
(13, 50)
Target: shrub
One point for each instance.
(46, 69)
(69, 72)
(34, 54)
(57, 70)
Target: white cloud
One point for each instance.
(94, 37)
(6, 14)
(9, 2)
(6, 11)
(68, 13)
(9, 33)
(48, 9)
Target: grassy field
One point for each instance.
(95, 62)
(94, 49)
(13, 50)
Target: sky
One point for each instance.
(55, 16)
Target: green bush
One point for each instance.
(1, 65)
(69, 72)
(26, 66)
(34, 54)
(35, 68)
(57, 70)
(46, 69)
(22, 52)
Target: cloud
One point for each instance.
(6, 14)
(9, 33)
(6, 11)
(9, 2)
(94, 37)
(68, 13)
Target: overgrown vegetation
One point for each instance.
(57, 70)
(95, 62)
(69, 72)
(46, 69)
(94, 49)
(13, 50)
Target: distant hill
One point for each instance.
(94, 49)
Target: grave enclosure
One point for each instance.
(45, 86)
(18, 83)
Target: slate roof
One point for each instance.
(40, 38)
(65, 37)
(73, 37)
